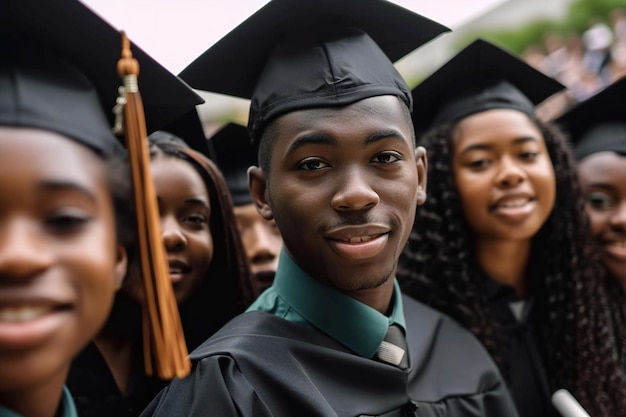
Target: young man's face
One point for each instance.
(60, 263)
(261, 242)
(343, 186)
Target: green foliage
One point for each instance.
(578, 17)
(517, 40)
(581, 11)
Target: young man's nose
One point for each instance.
(354, 193)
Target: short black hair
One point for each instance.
(271, 130)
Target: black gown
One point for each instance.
(95, 392)
(262, 365)
(525, 372)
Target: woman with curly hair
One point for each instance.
(597, 128)
(501, 244)
(208, 270)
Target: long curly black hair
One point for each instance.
(617, 307)
(576, 329)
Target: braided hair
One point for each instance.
(575, 332)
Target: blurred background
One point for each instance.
(582, 43)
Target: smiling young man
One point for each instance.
(340, 175)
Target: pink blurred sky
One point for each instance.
(174, 32)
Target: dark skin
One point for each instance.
(343, 187)
(507, 187)
(185, 211)
(602, 179)
(262, 242)
(60, 263)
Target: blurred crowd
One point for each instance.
(584, 62)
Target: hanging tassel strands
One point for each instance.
(165, 352)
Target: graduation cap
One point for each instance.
(233, 154)
(481, 77)
(598, 124)
(74, 34)
(60, 69)
(187, 128)
(297, 54)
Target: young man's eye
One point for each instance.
(312, 165)
(387, 158)
(599, 201)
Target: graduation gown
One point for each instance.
(95, 391)
(262, 365)
(525, 372)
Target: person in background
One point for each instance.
(597, 128)
(65, 187)
(501, 243)
(340, 174)
(207, 268)
(232, 152)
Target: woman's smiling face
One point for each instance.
(185, 211)
(504, 174)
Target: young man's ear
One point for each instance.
(121, 266)
(259, 192)
(421, 163)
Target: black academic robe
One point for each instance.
(95, 392)
(525, 372)
(261, 365)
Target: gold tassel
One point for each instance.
(165, 352)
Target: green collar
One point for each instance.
(354, 324)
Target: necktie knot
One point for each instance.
(392, 350)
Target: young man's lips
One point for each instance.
(26, 324)
(362, 247)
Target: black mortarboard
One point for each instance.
(187, 128)
(58, 62)
(60, 68)
(233, 154)
(296, 54)
(480, 77)
(598, 124)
